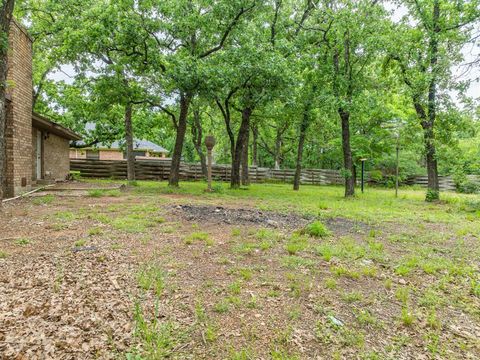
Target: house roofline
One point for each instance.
(46, 124)
(119, 149)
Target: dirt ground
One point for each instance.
(222, 283)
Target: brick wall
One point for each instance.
(56, 162)
(34, 154)
(19, 118)
(78, 154)
(111, 155)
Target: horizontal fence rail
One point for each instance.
(160, 170)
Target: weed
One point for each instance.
(245, 273)
(330, 283)
(152, 277)
(343, 271)
(158, 338)
(388, 283)
(198, 236)
(96, 193)
(3, 254)
(352, 296)
(407, 316)
(317, 229)
(294, 262)
(94, 231)
(65, 215)
(22, 241)
(80, 243)
(211, 333)
(235, 288)
(222, 306)
(236, 232)
(365, 317)
(402, 294)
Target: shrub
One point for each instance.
(468, 187)
(376, 176)
(432, 195)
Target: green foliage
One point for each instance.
(317, 229)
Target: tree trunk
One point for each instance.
(428, 126)
(245, 174)
(278, 148)
(347, 153)
(185, 99)
(129, 143)
(5, 17)
(301, 141)
(255, 145)
(237, 158)
(197, 135)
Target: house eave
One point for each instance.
(42, 123)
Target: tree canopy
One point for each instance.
(281, 83)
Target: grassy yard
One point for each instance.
(258, 273)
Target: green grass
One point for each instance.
(96, 193)
(317, 229)
(43, 200)
(409, 206)
(198, 236)
(23, 241)
(152, 278)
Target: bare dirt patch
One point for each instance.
(239, 216)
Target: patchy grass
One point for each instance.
(372, 277)
(43, 200)
(23, 241)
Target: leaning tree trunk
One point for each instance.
(129, 143)
(197, 135)
(242, 137)
(5, 17)
(301, 141)
(347, 153)
(174, 178)
(245, 174)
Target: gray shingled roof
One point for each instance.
(117, 145)
(137, 145)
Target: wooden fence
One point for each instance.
(160, 169)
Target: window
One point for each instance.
(93, 155)
(135, 154)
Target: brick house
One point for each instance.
(143, 149)
(37, 149)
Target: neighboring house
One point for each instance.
(36, 148)
(143, 149)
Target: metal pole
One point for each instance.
(209, 151)
(396, 171)
(363, 170)
(209, 143)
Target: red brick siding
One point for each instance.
(111, 155)
(78, 154)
